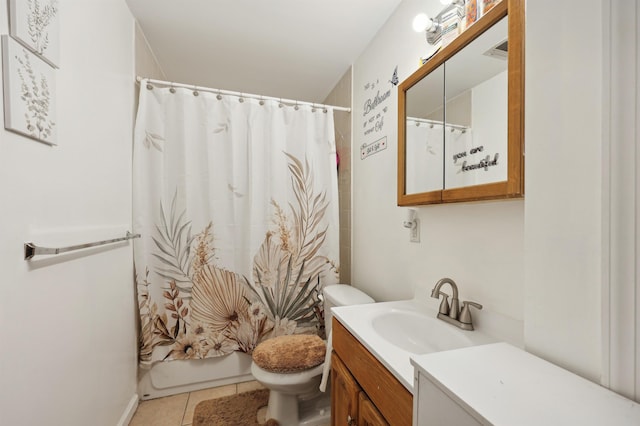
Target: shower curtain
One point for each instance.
(236, 200)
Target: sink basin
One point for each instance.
(396, 331)
(418, 333)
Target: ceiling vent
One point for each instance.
(500, 50)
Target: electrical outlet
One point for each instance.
(414, 233)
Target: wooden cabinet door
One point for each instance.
(386, 393)
(368, 415)
(344, 394)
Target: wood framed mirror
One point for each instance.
(461, 116)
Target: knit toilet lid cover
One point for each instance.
(291, 353)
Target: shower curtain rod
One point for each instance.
(427, 121)
(140, 80)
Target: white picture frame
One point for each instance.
(36, 25)
(29, 93)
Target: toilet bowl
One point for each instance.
(287, 390)
(294, 396)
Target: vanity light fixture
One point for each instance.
(433, 27)
(422, 22)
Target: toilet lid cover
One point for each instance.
(289, 354)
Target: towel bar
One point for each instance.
(31, 250)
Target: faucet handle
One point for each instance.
(465, 313)
(444, 305)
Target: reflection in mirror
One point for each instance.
(476, 131)
(424, 134)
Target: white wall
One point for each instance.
(146, 63)
(479, 245)
(536, 260)
(68, 355)
(621, 298)
(564, 199)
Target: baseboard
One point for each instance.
(129, 411)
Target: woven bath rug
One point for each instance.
(235, 410)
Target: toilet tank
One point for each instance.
(341, 295)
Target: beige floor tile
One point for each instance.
(167, 411)
(196, 397)
(249, 386)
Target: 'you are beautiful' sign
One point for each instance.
(476, 165)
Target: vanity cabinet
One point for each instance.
(363, 391)
(502, 385)
(350, 405)
(434, 407)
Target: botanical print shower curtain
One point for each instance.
(237, 204)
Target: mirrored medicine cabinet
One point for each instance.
(461, 116)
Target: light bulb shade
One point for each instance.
(421, 22)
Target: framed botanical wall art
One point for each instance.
(29, 93)
(36, 24)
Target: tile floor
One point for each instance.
(177, 410)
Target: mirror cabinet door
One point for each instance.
(460, 116)
(476, 111)
(424, 134)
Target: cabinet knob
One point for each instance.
(350, 420)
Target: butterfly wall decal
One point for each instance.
(394, 78)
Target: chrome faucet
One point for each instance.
(451, 313)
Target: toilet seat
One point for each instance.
(285, 379)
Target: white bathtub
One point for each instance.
(169, 378)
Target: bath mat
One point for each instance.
(234, 410)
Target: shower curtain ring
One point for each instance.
(313, 107)
(219, 97)
(261, 101)
(241, 99)
(296, 107)
(171, 88)
(280, 105)
(195, 91)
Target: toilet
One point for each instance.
(291, 367)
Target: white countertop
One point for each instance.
(502, 385)
(358, 319)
